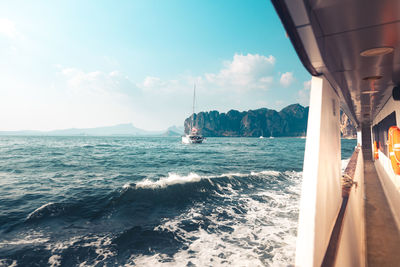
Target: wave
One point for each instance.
(176, 192)
(50, 209)
(87, 207)
(246, 227)
(192, 177)
(172, 179)
(232, 218)
(169, 192)
(87, 146)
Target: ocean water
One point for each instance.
(129, 201)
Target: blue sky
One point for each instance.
(96, 63)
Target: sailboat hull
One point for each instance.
(192, 139)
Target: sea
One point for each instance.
(150, 201)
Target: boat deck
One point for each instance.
(382, 234)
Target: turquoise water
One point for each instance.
(95, 201)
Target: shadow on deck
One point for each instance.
(382, 234)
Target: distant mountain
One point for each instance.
(116, 130)
(177, 129)
(174, 131)
(290, 121)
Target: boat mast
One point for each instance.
(194, 99)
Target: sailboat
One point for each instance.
(271, 137)
(193, 137)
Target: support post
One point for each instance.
(321, 190)
(366, 141)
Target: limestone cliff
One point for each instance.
(290, 121)
(347, 127)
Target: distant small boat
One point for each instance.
(193, 137)
(262, 134)
(271, 137)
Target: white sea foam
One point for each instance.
(8, 263)
(24, 241)
(192, 177)
(269, 173)
(344, 163)
(263, 235)
(172, 179)
(33, 238)
(101, 244)
(55, 260)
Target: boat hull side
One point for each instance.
(321, 190)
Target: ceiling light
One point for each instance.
(377, 51)
(368, 92)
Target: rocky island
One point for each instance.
(290, 121)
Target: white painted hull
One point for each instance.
(190, 139)
(185, 140)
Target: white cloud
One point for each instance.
(151, 82)
(95, 98)
(304, 94)
(98, 82)
(7, 28)
(286, 79)
(75, 98)
(157, 85)
(244, 72)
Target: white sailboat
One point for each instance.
(193, 137)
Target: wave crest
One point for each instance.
(50, 209)
(174, 179)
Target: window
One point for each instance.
(380, 132)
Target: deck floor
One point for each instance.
(382, 234)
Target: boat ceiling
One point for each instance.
(329, 36)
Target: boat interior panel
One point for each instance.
(334, 43)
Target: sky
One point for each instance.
(82, 64)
